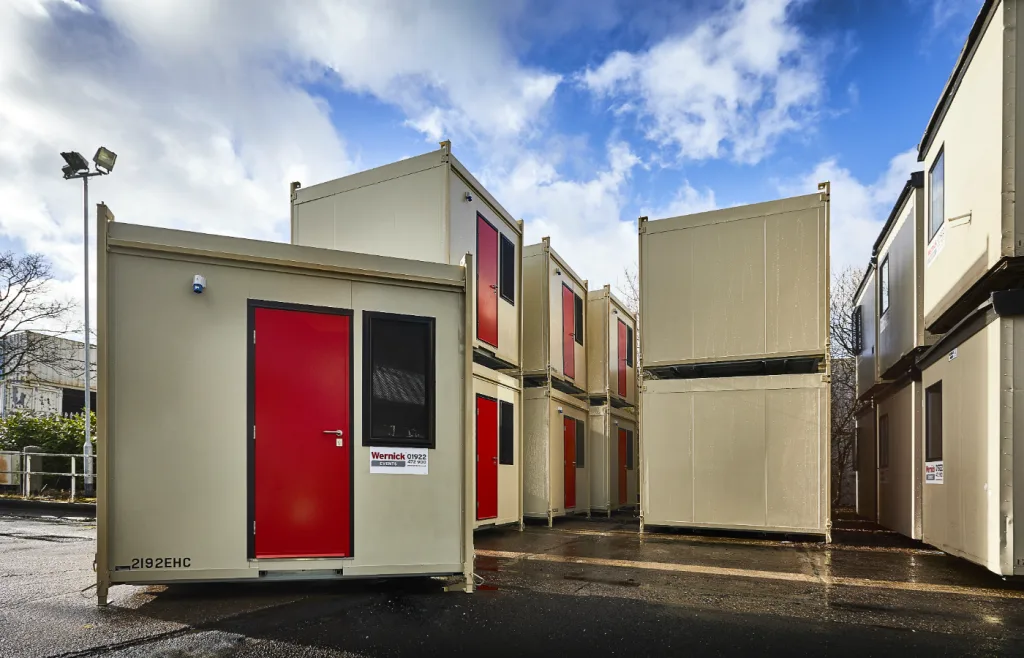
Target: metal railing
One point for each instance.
(30, 466)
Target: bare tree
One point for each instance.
(630, 289)
(843, 341)
(30, 318)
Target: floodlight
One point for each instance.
(76, 162)
(104, 159)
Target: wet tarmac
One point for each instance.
(585, 587)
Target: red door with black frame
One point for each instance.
(302, 453)
(569, 454)
(486, 458)
(486, 281)
(623, 351)
(568, 335)
(623, 454)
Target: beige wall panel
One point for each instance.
(729, 457)
(735, 284)
(535, 344)
(961, 515)
(794, 418)
(600, 457)
(192, 418)
(971, 133)
(867, 466)
(400, 217)
(899, 486)
(600, 370)
(668, 494)
(536, 453)
(866, 360)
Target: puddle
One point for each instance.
(629, 582)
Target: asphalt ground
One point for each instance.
(583, 588)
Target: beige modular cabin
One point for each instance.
(555, 321)
(498, 477)
(612, 453)
(740, 284)
(972, 163)
(556, 460)
(973, 443)
(865, 319)
(898, 423)
(611, 353)
(427, 208)
(738, 453)
(866, 463)
(290, 420)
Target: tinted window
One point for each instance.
(937, 187)
(629, 450)
(507, 285)
(506, 432)
(630, 346)
(933, 423)
(578, 317)
(883, 441)
(883, 299)
(581, 440)
(398, 384)
(857, 327)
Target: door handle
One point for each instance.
(339, 442)
(334, 432)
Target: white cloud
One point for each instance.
(731, 86)
(858, 208)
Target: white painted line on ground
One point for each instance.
(757, 574)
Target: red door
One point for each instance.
(623, 451)
(569, 453)
(486, 281)
(486, 458)
(623, 351)
(568, 327)
(302, 479)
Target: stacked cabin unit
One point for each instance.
(269, 411)
(613, 448)
(901, 337)
(865, 330)
(555, 347)
(611, 377)
(556, 459)
(498, 477)
(734, 402)
(974, 259)
(431, 208)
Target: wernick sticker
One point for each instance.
(399, 461)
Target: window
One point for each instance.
(883, 441)
(937, 187)
(507, 283)
(578, 326)
(581, 442)
(629, 450)
(857, 328)
(630, 346)
(883, 274)
(506, 433)
(398, 380)
(933, 423)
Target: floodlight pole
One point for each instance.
(87, 452)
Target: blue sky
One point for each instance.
(578, 117)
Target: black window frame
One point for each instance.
(933, 433)
(884, 283)
(883, 441)
(506, 442)
(577, 320)
(430, 441)
(506, 269)
(630, 345)
(581, 443)
(630, 451)
(857, 327)
(934, 227)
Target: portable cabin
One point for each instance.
(612, 451)
(270, 411)
(556, 462)
(734, 403)
(427, 208)
(865, 336)
(555, 321)
(498, 474)
(611, 357)
(974, 242)
(866, 463)
(431, 208)
(899, 253)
